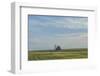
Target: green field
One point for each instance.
(57, 54)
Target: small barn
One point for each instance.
(57, 47)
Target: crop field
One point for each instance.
(57, 54)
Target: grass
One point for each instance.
(60, 54)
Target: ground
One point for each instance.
(58, 54)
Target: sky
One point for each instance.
(44, 32)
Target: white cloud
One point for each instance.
(64, 41)
(61, 23)
(72, 23)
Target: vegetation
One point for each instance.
(57, 54)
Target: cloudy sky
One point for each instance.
(67, 31)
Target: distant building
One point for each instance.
(57, 47)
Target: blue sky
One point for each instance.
(67, 31)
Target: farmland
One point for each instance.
(57, 54)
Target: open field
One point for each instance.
(58, 54)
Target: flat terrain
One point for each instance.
(57, 54)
